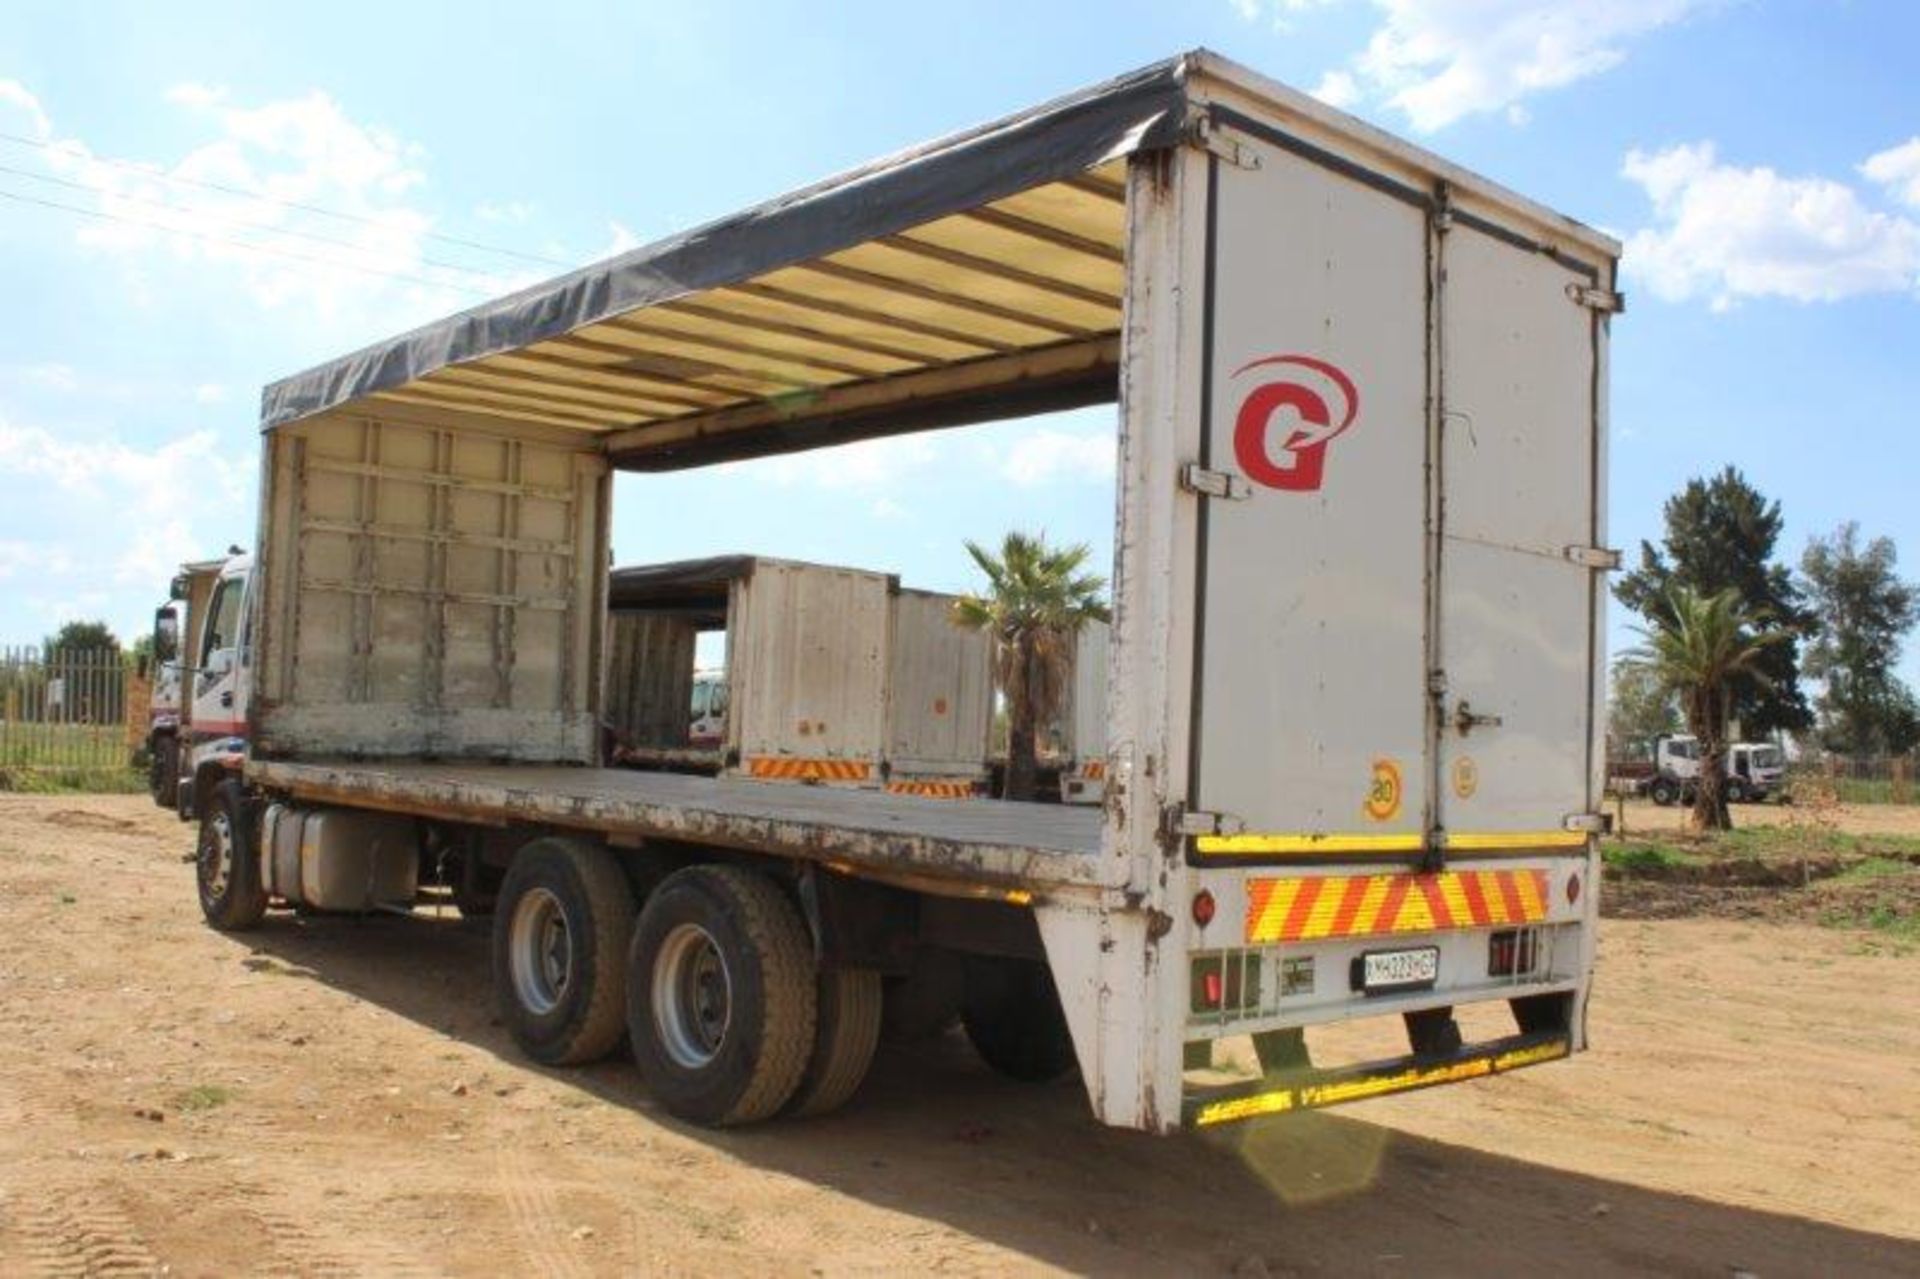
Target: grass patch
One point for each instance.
(1636, 858)
(55, 780)
(1879, 868)
(202, 1097)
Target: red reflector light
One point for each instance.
(1212, 984)
(1203, 907)
(1573, 888)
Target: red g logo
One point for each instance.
(1285, 423)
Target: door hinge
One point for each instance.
(1195, 478)
(1209, 137)
(1178, 822)
(1602, 558)
(1599, 299)
(1590, 823)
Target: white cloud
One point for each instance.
(15, 93)
(510, 212)
(1338, 89)
(1050, 456)
(193, 94)
(620, 240)
(885, 508)
(228, 202)
(141, 486)
(209, 393)
(1438, 61)
(865, 464)
(1727, 233)
(1897, 169)
(50, 377)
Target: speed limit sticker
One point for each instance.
(1385, 791)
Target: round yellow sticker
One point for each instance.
(1383, 795)
(1466, 777)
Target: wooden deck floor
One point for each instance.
(977, 839)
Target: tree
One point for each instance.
(1036, 602)
(1704, 648)
(1863, 612)
(83, 674)
(84, 637)
(1639, 706)
(1721, 534)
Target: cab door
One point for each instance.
(216, 677)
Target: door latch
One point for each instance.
(1465, 720)
(1195, 478)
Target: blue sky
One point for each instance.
(1762, 160)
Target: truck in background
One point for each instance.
(1357, 780)
(833, 676)
(1666, 768)
(178, 643)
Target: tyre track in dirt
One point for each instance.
(75, 1232)
(538, 1225)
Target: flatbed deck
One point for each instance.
(979, 842)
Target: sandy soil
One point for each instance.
(332, 1097)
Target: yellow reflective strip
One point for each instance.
(1466, 841)
(1367, 917)
(1416, 916)
(1457, 841)
(1266, 1103)
(1531, 907)
(1319, 920)
(1308, 844)
(1274, 917)
(1454, 893)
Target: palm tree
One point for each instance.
(1702, 649)
(1037, 600)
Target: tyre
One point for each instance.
(846, 1031)
(1663, 792)
(560, 940)
(227, 860)
(925, 1001)
(722, 996)
(1737, 792)
(163, 772)
(1012, 1016)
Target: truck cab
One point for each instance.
(1755, 770)
(215, 682)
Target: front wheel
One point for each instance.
(227, 861)
(1737, 792)
(163, 772)
(559, 951)
(1663, 792)
(723, 1001)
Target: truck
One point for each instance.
(1668, 768)
(178, 635)
(833, 676)
(1353, 756)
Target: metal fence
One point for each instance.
(1862, 779)
(67, 712)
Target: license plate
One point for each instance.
(1382, 970)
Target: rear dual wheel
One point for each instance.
(560, 936)
(730, 1021)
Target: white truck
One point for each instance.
(1755, 770)
(179, 635)
(834, 676)
(1353, 750)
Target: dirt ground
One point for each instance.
(1644, 817)
(333, 1097)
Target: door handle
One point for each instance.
(1465, 720)
(226, 698)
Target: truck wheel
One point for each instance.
(163, 772)
(1737, 792)
(846, 1031)
(722, 996)
(559, 951)
(1012, 1015)
(1663, 792)
(925, 1001)
(227, 861)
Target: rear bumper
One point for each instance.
(1318, 1089)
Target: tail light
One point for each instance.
(1512, 952)
(1203, 908)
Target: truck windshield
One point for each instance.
(1767, 757)
(223, 627)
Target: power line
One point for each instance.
(68, 149)
(241, 244)
(230, 222)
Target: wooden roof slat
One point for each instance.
(415, 393)
(849, 342)
(867, 315)
(1004, 270)
(926, 292)
(603, 373)
(456, 393)
(572, 391)
(633, 326)
(1050, 234)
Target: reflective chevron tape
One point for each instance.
(1319, 906)
(783, 769)
(1094, 768)
(934, 788)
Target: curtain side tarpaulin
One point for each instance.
(1139, 111)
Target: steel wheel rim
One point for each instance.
(540, 951)
(216, 856)
(692, 997)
